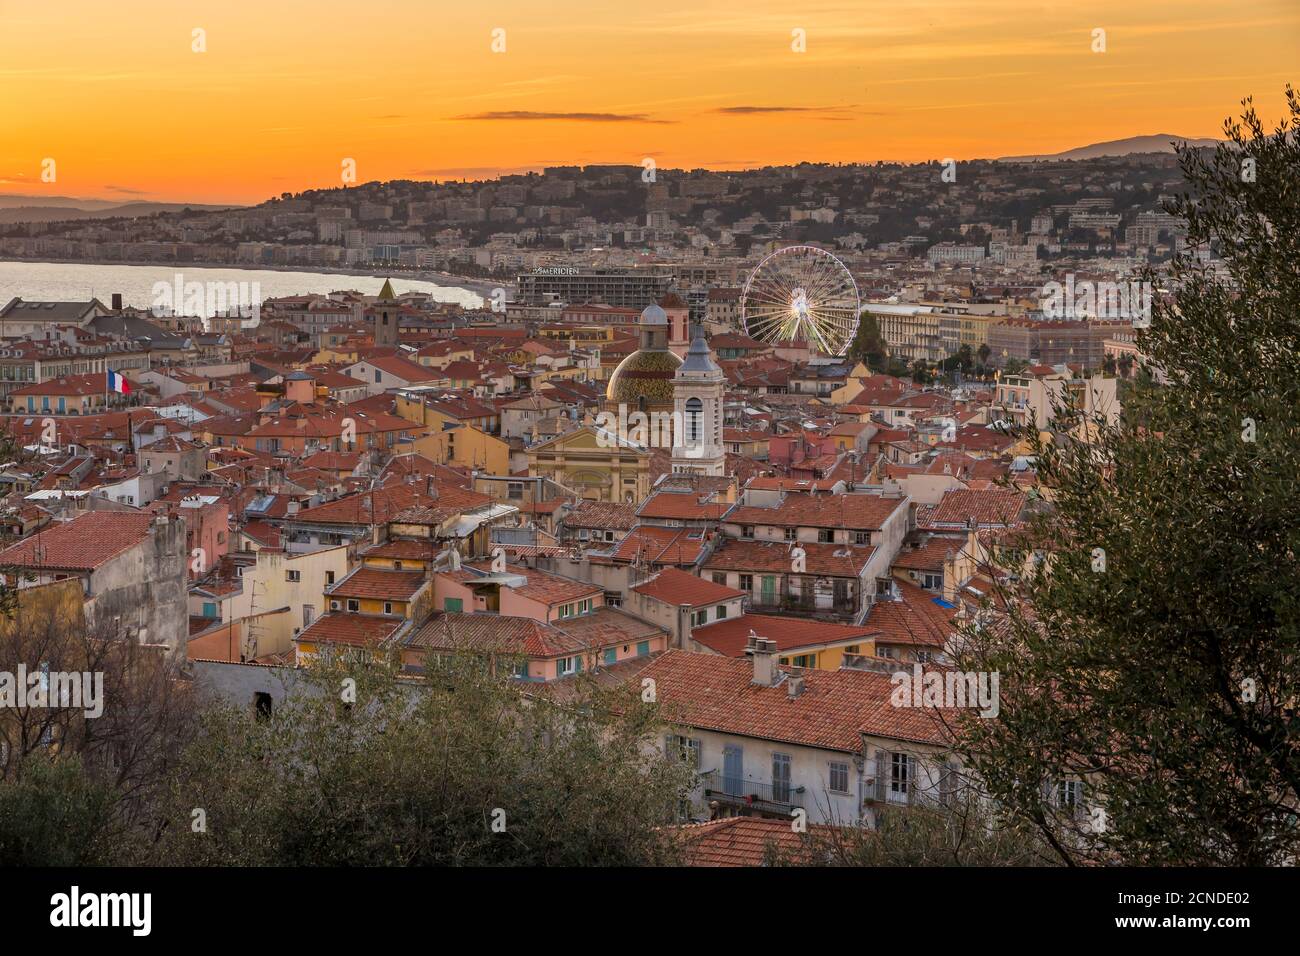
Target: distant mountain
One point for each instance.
(1159, 143)
(55, 208)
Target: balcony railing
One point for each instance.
(738, 791)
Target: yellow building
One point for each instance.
(597, 465)
(464, 446)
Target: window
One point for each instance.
(790, 534)
(686, 748)
(825, 535)
(566, 610)
(642, 648)
(902, 770)
(308, 614)
(354, 605)
(262, 705)
(722, 612)
(566, 666)
(397, 565)
(694, 415)
(514, 490)
(329, 578)
(378, 377)
(862, 537)
(747, 582)
(519, 670)
(293, 577)
(839, 777)
(719, 577)
(388, 607)
(747, 531)
(932, 582)
(805, 660)
(1069, 795)
(781, 777)
(209, 609)
(584, 606)
(700, 617)
(611, 655)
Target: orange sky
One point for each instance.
(113, 92)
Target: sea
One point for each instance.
(79, 281)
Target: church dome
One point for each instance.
(646, 373)
(653, 315)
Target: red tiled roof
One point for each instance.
(358, 630)
(916, 619)
(675, 504)
(541, 586)
(378, 583)
(728, 637)
(673, 586)
(957, 507)
(717, 693)
(743, 841)
(859, 511)
(834, 560)
(677, 546)
(82, 544)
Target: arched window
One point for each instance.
(694, 413)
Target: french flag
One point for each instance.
(117, 383)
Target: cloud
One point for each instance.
(562, 117)
(129, 192)
(747, 110)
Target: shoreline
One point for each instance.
(479, 286)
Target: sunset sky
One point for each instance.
(411, 89)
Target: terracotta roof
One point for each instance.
(82, 544)
(601, 515)
(541, 586)
(929, 556)
(743, 841)
(729, 636)
(677, 546)
(358, 630)
(493, 634)
(834, 560)
(676, 587)
(859, 511)
(682, 506)
(717, 693)
(919, 617)
(378, 583)
(993, 507)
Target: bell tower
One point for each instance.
(698, 390)
(386, 317)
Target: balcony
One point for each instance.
(739, 792)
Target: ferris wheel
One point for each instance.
(801, 293)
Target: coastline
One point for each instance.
(478, 286)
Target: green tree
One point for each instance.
(868, 344)
(1148, 652)
(457, 769)
(57, 815)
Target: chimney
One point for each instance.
(794, 685)
(762, 650)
